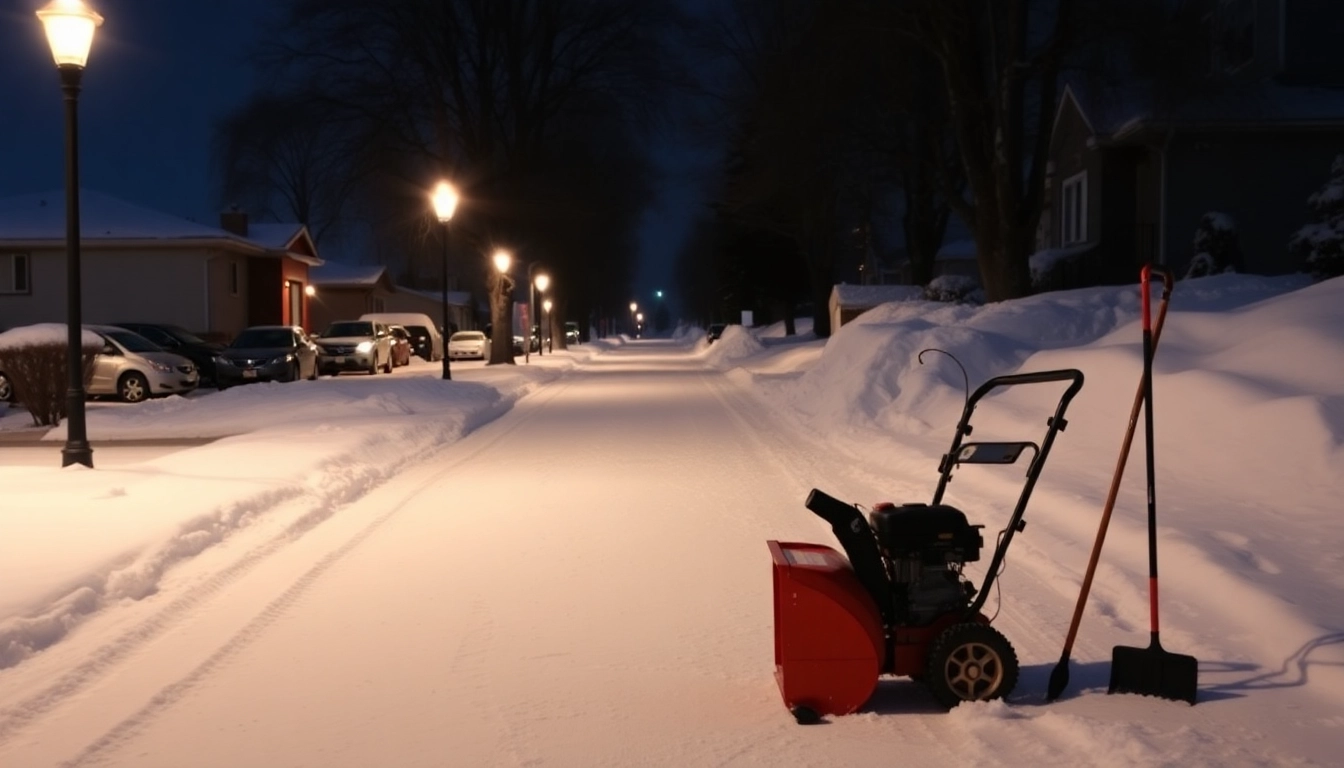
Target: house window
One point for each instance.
(233, 278)
(1073, 210)
(1233, 35)
(15, 273)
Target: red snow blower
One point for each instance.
(899, 604)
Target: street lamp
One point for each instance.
(445, 203)
(633, 308)
(502, 330)
(542, 282)
(69, 25)
(534, 284)
(546, 314)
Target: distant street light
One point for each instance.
(502, 319)
(445, 204)
(633, 308)
(639, 324)
(69, 25)
(546, 315)
(534, 283)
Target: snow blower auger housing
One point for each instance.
(896, 602)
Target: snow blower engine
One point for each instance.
(899, 604)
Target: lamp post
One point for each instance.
(633, 309)
(445, 203)
(542, 282)
(502, 336)
(639, 324)
(546, 314)
(534, 283)
(69, 25)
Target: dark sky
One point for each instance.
(159, 75)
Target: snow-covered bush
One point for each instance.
(954, 288)
(34, 360)
(1320, 244)
(1216, 249)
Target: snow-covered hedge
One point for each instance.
(1216, 249)
(1320, 245)
(954, 288)
(33, 358)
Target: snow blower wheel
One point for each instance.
(971, 662)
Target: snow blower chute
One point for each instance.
(898, 604)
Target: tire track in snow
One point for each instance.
(345, 487)
(169, 695)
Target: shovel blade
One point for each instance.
(1153, 671)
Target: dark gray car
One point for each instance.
(267, 353)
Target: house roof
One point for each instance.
(332, 274)
(848, 296)
(1120, 110)
(39, 217)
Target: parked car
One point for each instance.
(134, 368)
(468, 344)
(571, 333)
(355, 345)
(267, 353)
(180, 341)
(401, 345)
(715, 331)
(426, 337)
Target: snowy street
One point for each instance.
(584, 581)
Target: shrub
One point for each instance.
(36, 367)
(1216, 249)
(953, 288)
(1319, 246)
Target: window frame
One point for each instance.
(235, 281)
(10, 262)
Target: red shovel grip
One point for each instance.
(1146, 277)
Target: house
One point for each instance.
(137, 264)
(344, 292)
(461, 316)
(849, 301)
(1251, 135)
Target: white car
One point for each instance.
(134, 368)
(355, 345)
(468, 344)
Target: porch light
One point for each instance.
(69, 25)
(309, 290)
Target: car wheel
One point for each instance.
(293, 373)
(387, 368)
(6, 389)
(313, 377)
(133, 387)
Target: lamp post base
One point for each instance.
(77, 453)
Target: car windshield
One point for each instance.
(182, 334)
(418, 331)
(259, 338)
(467, 336)
(336, 330)
(133, 342)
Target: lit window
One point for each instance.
(1073, 210)
(15, 273)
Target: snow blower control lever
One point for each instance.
(897, 602)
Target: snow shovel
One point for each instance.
(1059, 678)
(1152, 671)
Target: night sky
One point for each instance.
(159, 75)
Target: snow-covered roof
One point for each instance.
(861, 296)
(273, 235)
(41, 216)
(332, 274)
(102, 218)
(455, 298)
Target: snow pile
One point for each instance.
(736, 344)
(45, 333)
(1320, 244)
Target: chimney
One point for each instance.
(234, 220)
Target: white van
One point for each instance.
(426, 340)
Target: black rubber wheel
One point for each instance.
(6, 389)
(314, 376)
(388, 368)
(971, 662)
(133, 387)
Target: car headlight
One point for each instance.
(281, 360)
(223, 361)
(160, 367)
(364, 346)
